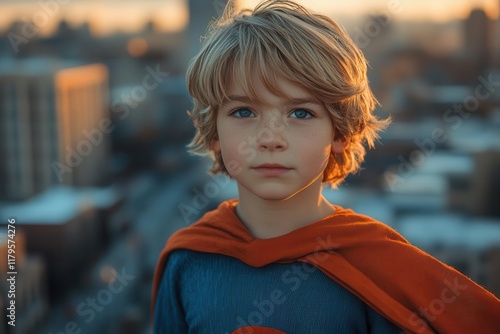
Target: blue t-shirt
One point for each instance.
(211, 293)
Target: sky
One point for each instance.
(107, 16)
(437, 10)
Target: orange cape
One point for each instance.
(404, 284)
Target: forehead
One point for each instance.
(271, 90)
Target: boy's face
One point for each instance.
(277, 148)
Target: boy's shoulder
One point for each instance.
(223, 217)
(360, 253)
(220, 231)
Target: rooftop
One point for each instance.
(58, 205)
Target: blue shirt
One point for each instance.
(211, 293)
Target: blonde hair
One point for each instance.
(282, 38)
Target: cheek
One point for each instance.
(228, 140)
(319, 142)
(236, 151)
(229, 150)
(317, 149)
(320, 155)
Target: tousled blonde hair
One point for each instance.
(281, 38)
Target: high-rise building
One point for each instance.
(53, 125)
(497, 38)
(478, 39)
(201, 13)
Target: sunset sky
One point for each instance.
(129, 15)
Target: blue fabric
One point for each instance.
(211, 293)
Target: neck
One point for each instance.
(272, 218)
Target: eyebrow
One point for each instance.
(293, 101)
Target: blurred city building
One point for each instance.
(31, 299)
(49, 113)
(496, 38)
(478, 40)
(201, 13)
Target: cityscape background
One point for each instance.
(93, 129)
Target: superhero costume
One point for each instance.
(411, 289)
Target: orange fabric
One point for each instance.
(406, 285)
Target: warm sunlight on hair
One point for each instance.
(270, 41)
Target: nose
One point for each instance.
(270, 136)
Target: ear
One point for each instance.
(215, 146)
(338, 146)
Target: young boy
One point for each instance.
(282, 105)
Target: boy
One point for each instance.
(282, 105)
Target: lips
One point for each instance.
(272, 169)
(271, 166)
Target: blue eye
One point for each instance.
(243, 113)
(301, 114)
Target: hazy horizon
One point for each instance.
(110, 16)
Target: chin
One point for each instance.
(273, 192)
(274, 197)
